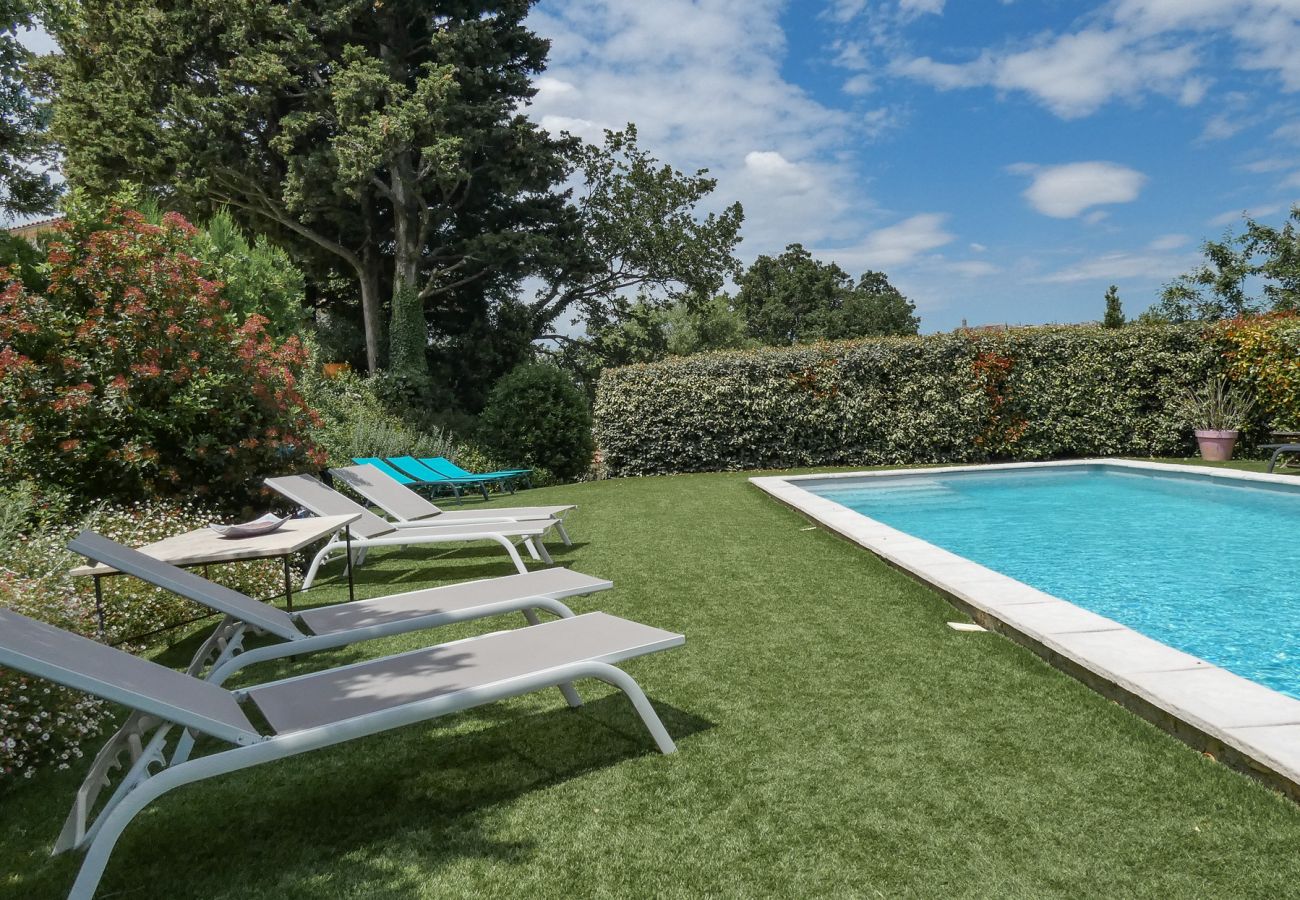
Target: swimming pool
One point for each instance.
(1173, 589)
(1211, 568)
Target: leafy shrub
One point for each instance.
(536, 416)
(1031, 393)
(258, 278)
(355, 422)
(127, 376)
(1262, 354)
(42, 725)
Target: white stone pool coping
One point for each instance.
(1225, 711)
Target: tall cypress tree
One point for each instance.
(1114, 317)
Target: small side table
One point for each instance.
(203, 547)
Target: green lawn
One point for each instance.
(835, 738)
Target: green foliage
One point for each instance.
(648, 333)
(1262, 354)
(24, 257)
(25, 189)
(41, 726)
(639, 231)
(1260, 256)
(127, 376)
(355, 421)
(382, 140)
(1114, 317)
(536, 416)
(962, 397)
(793, 298)
(258, 278)
(1216, 405)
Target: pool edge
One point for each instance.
(1253, 728)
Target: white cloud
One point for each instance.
(777, 173)
(1129, 49)
(876, 122)
(1289, 132)
(1112, 267)
(37, 40)
(1232, 216)
(896, 245)
(703, 81)
(1221, 127)
(859, 85)
(1266, 32)
(845, 10)
(1169, 242)
(1271, 164)
(1291, 181)
(921, 7)
(1073, 75)
(850, 55)
(583, 128)
(550, 89)
(978, 248)
(971, 268)
(1066, 191)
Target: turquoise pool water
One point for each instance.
(1210, 568)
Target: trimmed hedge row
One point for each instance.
(1029, 393)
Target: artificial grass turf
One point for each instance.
(835, 738)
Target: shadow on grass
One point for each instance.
(398, 807)
(419, 565)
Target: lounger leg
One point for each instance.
(541, 548)
(564, 535)
(316, 564)
(532, 549)
(627, 684)
(1273, 459)
(570, 693)
(514, 554)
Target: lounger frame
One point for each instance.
(151, 774)
(354, 545)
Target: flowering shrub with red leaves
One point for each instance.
(129, 375)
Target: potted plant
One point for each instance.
(1217, 411)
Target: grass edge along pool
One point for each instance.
(1229, 714)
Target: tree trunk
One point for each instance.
(371, 320)
(408, 335)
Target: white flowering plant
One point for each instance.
(43, 725)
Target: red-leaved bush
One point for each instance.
(129, 376)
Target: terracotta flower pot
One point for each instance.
(1216, 446)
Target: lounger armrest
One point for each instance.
(486, 520)
(450, 535)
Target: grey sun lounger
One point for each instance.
(410, 509)
(371, 531)
(337, 624)
(307, 712)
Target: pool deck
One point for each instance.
(1242, 723)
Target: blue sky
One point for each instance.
(1001, 160)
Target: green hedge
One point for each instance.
(1029, 393)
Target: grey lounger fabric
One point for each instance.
(406, 505)
(310, 711)
(74, 661)
(556, 584)
(338, 624)
(461, 667)
(372, 531)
